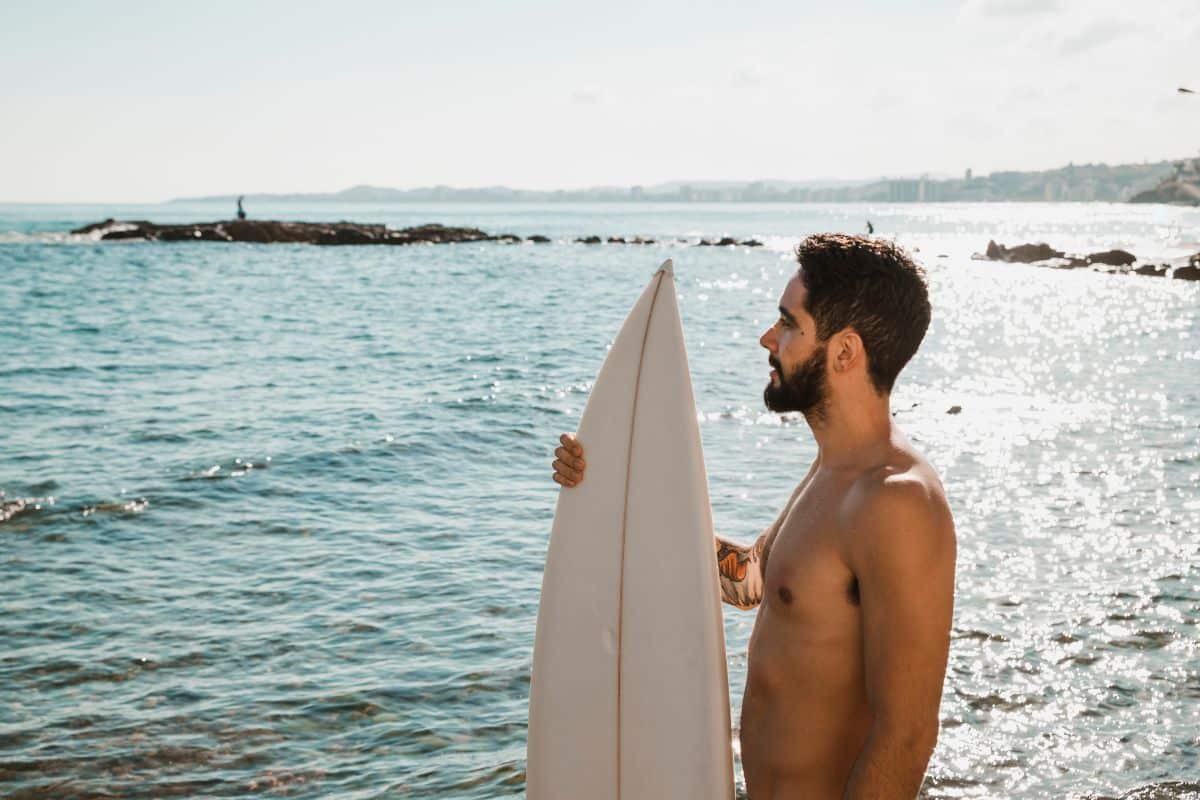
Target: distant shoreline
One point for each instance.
(1072, 183)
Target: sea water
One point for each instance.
(276, 515)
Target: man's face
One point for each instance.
(798, 381)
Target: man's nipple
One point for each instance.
(785, 594)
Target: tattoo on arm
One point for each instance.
(740, 571)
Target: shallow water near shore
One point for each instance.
(274, 516)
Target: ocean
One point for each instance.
(275, 515)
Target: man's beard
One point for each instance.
(806, 390)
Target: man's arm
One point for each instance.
(902, 550)
(740, 570)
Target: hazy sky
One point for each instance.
(147, 101)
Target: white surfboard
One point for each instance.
(629, 697)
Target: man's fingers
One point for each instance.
(564, 480)
(569, 458)
(571, 443)
(568, 461)
(567, 470)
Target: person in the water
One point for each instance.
(854, 580)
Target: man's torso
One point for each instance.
(805, 715)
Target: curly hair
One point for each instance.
(872, 286)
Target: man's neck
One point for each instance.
(853, 434)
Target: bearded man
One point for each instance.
(853, 582)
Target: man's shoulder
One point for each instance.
(902, 501)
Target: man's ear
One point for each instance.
(848, 350)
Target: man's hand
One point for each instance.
(569, 463)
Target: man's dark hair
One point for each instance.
(872, 286)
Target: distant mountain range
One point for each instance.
(1074, 182)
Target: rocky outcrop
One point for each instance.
(1113, 258)
(271, 231)
(333, 233)
(1172, 190)
(1022, 253)
(728, 241)
(1043, 254)
(1191, 272)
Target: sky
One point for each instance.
(142, 102)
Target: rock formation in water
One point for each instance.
(1181, 188)
(330, 233)
(1022, 253)
(270, 231)
(1043, 254)
(728, 241)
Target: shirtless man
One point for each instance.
(854, 580)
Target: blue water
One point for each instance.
(275, 516)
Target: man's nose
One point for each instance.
(767, 339)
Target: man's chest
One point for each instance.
(805, 572)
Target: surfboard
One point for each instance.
(629, 696)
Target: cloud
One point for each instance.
(749, 77)
(1009, 8)
(1097, 34)
(587, 97)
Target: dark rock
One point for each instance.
(1152, 269)
(440, 234)
(345, 235)
(1113, 258)
(640, 240)
(704, 243)
(509, 238)
(616, 240)
(954, 410)
(1189, 273)
(271, 231)
(727, 241)
(752, 243)
(1022, 253)
(538, 239)
(588, 240)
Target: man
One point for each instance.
(854, 580)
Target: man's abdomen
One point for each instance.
(805, 716)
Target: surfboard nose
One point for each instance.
(668, 267)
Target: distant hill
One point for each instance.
(1181, 187)
(1074, 182)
